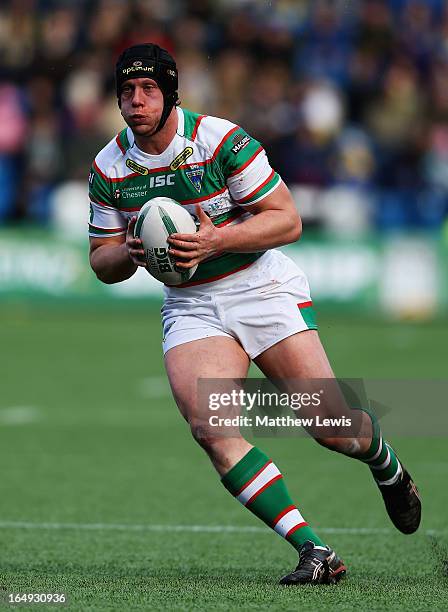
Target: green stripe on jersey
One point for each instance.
(236, 150)
(309, 316)
(261, 191)
(190, 119)
(100, 231)
(132, 193)
(123, 138)
(223, 265)
(230, 215)
(99, 188)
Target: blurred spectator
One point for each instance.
(43, 159)
(107, 24)
(355, 161)
(396, 109)
(415, 33)
(59, 31)
(196, 77)
(232, 70)
(12, 141)
(348, 96)
(18, 34)
(324, 47)
(307, 157)
(267, 113)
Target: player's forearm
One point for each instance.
(112, 264)
(266, 230)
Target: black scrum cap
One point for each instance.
(150, 60)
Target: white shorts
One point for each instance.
(258, 307)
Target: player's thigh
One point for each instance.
(299, 364)
(215, 357)
(299, 356)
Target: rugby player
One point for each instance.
(246, 301)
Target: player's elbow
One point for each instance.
(104, 275)
(100, 276)
(100, 272)
(295, 229)
(107, 280)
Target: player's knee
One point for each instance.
(205, 436)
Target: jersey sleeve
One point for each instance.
(105, 220)
(246, 168)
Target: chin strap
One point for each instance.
(170, 102)
(169, 99)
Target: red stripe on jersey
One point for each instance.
(305, 304)
(266, 486)
(253, 478)
(255, 191)
(115, 180)
(204, 198)
(160, 169)
(166, 168)
(223, 141)
(120, 146)
(282, 514)
(124, 178)
(96, 201)
(106, 229)
(213, 278)
(206, 161)
(196, 126)
(236, 215)
(293, 529)
(249, 161)
(100, 172)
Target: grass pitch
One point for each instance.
(105, 497)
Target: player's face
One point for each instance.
(141, 105)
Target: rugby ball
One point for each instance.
(159, 218)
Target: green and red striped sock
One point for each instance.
(380, 457)
(258, 484)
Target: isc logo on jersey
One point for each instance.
(161, 181)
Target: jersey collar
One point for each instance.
(180, 121)
(179, 132)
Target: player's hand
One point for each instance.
(191, 249)
(134, 245)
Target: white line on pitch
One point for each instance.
(18, 415)
(194, 528)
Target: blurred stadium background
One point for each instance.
(350, 99)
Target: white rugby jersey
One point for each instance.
(210, 161)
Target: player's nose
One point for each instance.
(137, 98)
